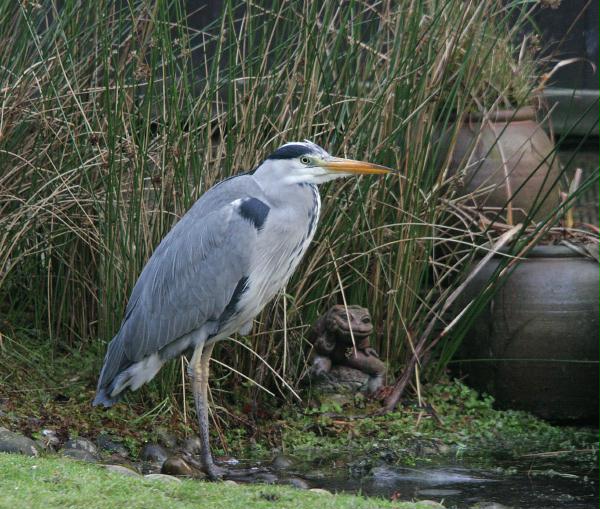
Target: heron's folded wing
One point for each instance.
(189, 280)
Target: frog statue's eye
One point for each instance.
(305, 160)
(366, 319)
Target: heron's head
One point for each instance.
(305, 162)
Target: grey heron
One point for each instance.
(227, 257)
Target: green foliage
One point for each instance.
(454, 419)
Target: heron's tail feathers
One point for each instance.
(102, 398)
(120, 373)
(114, 362)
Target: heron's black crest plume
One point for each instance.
(291, 151)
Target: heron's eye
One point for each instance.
(305, 160)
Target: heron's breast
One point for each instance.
(281, 245)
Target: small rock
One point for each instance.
(162, 478)
(81, 444)
(265, 478)
(80, 455)
(146, 467)
(165, 438)
(49, 439)
(154, 453)
(281, 462)
(429, 504)
(107, 443)
(192, 445)
(15, 443)
(230, 482)
(119, 469)
(320, 491)
(296, 482)
(174, 465)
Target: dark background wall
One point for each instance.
(571, 30)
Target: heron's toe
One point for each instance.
(213, 472)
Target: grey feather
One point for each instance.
(189, 279)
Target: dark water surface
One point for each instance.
(552, 483)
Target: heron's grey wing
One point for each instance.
(188, 281)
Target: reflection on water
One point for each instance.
(552, 484)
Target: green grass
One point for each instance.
(62, 483)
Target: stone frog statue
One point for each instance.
(333, 349)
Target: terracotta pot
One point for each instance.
(535, 346)
(508, 150)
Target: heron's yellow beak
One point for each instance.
(350, 166)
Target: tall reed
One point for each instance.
(116, 116)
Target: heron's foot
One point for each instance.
(213, 472)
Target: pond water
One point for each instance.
(458, 485)
(559, 482)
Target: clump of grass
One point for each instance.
(54, 483)
(116, 117)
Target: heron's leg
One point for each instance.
(199, 371)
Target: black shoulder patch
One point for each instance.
(254, 211)
(291, 151)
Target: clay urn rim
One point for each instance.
(505, 115)
(547, 251)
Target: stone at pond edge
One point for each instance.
(119, 469)
(16, 443)
(162, 478)
(109, 444)
(296, 482)
(320, 491)
(80, 455)
(174, 465)
(81, 444)
(192, 445)
(49, 439)
(265, 478)
(281, 462)
(154, 453)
